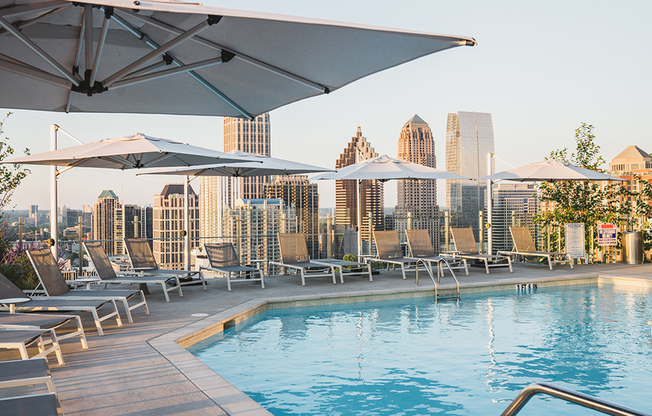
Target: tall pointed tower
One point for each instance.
(346, 195)
(417, 199)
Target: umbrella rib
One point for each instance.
(21, 68)
(27, 23)
(166, 73)
(238, 55)
(163, 157)
(36, 49)
(75, 67)
(140, 35)
(161, 50)
(33, 7)
(100, 44)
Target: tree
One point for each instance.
(590, 202)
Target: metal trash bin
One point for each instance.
(633, 247)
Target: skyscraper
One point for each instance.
(417, 199)
(371, 191)
(298, 192)
(469, 137)
(103, 220)
(168, 224)
(514, 205)
(217, 193)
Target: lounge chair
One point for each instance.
(18, 301)
(56, 286)
(142, 260)
(38, 404)
(524, 246)
(336, 263)
(223, 259)
(20, 339)
(466, 248)
(294, 255)
(106, 274)
(390, 252)
(421, 248)
(36, 321)
(17, 373)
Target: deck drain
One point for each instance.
(199, 315)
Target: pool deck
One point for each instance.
(140, 369)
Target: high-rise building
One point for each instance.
(514, 205)
(469, 137)
(371, 191)
(218, 193)
(634, 165)
(128, 224)
(298, 192)
(417, 200)
(103, 220)
(168, 225)
(255, 224)
(33, 211)
(87, 218)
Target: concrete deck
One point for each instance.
(141, 369)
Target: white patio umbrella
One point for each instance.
(130, 152)
(384, 168)
(263, 166)
(170, 57)
(550, 170)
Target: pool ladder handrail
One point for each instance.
(439, 273)
(570, 396)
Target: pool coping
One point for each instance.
(172, 345)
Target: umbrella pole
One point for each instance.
(489, 207)
(358, 183)
(54, 231)
(186, 222)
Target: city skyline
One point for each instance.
(537, 83)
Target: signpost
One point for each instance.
(607, 235)
(575, 240)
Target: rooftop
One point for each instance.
(141, 368)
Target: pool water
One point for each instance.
(417, 357)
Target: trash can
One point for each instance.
(633, 247)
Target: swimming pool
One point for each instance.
(471, 357)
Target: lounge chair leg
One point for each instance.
(142, 297)
(262, 279)
(371, 278)
(509, 261)
(125, 303)
(303, 278)
(570, 261)
(228, 281)
(98, 324)
(23, 352)
(549, 262)
(165, 291)
(486, 265)
(82, 335)
(332, 270)
(341, 274)
(403, 271)
(203, 281)
(55, 344)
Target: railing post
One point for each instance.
(329, 237)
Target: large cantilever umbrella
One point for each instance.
(550, 170)
(170, 57)
(384, 168)
(263, 166)
(130, 152)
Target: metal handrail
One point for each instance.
(439, 271)
(570, 396)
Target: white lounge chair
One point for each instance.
(37, 321)
(294, 255)
(56, 286)
(18, 301)
(421, 248)
(20, 339)
(142, 260)
(106, 274)
(390, 252)
(466, 248)
(524, 246)
(224, 260)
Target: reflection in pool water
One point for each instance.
(414, 356)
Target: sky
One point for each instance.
(540, 69)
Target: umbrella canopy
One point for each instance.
(129, 152)
(263, 166)
(168, 57)
(384, 168)
(550, 170)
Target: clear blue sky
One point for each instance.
(540, 68)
